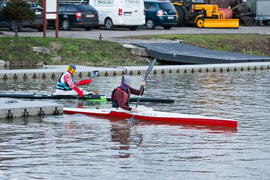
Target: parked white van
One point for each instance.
(120, 13)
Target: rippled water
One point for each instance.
(83, 147)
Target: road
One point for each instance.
(113, 35)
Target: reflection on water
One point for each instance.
(83, 147)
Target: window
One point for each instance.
(198, 1)
(167, 6)
(61, 8)
(71, 7)
(84, 7)
(150, 6)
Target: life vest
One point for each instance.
(125, 94)
(62, 85)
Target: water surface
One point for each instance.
(83, 147)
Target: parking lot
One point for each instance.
(124, 32)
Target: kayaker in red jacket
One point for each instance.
(67, 85)
(121, 95)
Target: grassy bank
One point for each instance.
(79, 51)
(104, 53)
(254, 44)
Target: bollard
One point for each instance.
(9, 115)
(221, 70)
(56, 111)
(43, 75)
(25, 113)
(40, 112)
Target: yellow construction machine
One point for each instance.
(202, 15)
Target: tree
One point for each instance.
(18, 11)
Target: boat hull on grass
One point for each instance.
(149, 114)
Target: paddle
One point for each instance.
(93, 74)
(146, 74)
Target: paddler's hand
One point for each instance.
(134, 110)
(143, 84)
(85, 82)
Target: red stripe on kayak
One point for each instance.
(198, 121)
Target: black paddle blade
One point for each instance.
(146, 74)
(149, 68)
(94, 74)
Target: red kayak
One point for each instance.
(150, 115)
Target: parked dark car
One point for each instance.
(36, 24)
(76, 15)
(159, 13)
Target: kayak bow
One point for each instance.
(150, 115)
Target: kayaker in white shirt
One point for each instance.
(67, 85)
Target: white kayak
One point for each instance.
(150, 115)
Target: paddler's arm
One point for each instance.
(137, 92)
(68, 80)
(83, 82)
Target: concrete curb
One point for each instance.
(85, 71)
